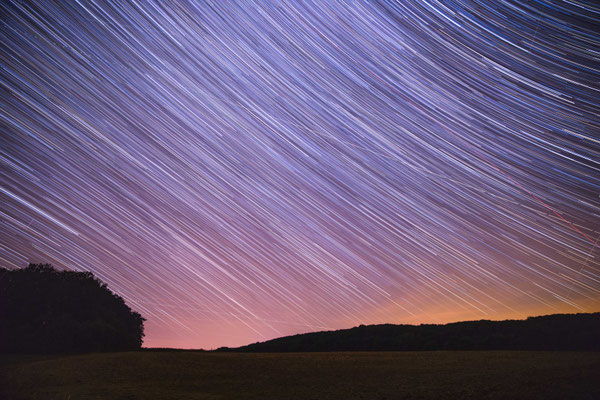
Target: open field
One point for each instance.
(365, 375)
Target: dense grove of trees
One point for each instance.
(551, 332)
(43, 310)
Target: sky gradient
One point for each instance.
(239, 172)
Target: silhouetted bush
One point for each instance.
(43, 310)
(580, 332)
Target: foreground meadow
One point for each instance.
(344, 375)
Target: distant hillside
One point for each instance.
(550, 332)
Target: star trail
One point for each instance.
(243, 171)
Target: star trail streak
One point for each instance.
(242, 171)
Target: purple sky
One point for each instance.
(243, 172)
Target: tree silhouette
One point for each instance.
(43, 310)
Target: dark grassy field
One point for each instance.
(383, 375)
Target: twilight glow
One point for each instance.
(239, 172)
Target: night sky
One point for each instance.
(239, 172)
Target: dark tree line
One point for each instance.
(550, 332)
(43, 310)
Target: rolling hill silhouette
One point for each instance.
(576, 332)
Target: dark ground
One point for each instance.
(366, 375)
